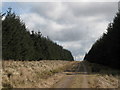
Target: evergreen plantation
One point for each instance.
(106, 50)
(19, 44)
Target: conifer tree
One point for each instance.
(106, 49)
(19, 44)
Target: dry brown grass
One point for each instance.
(104, 77)
(30, 74)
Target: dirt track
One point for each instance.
(82, 78)
(69, 80)
(57, 74)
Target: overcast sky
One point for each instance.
(74, 25)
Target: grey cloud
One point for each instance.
(69, 35)
(87, 20)
(93, 9)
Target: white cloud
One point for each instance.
(75, 26)
(79, 57)
(57, 11)
(32, 19)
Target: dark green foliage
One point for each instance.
(106, 49)
(19, 44)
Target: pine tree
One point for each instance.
(19, 44)
(106, 49)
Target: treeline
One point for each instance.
(19, 44)
(106, 50)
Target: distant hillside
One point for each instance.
(19, 44)
(106, 49)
